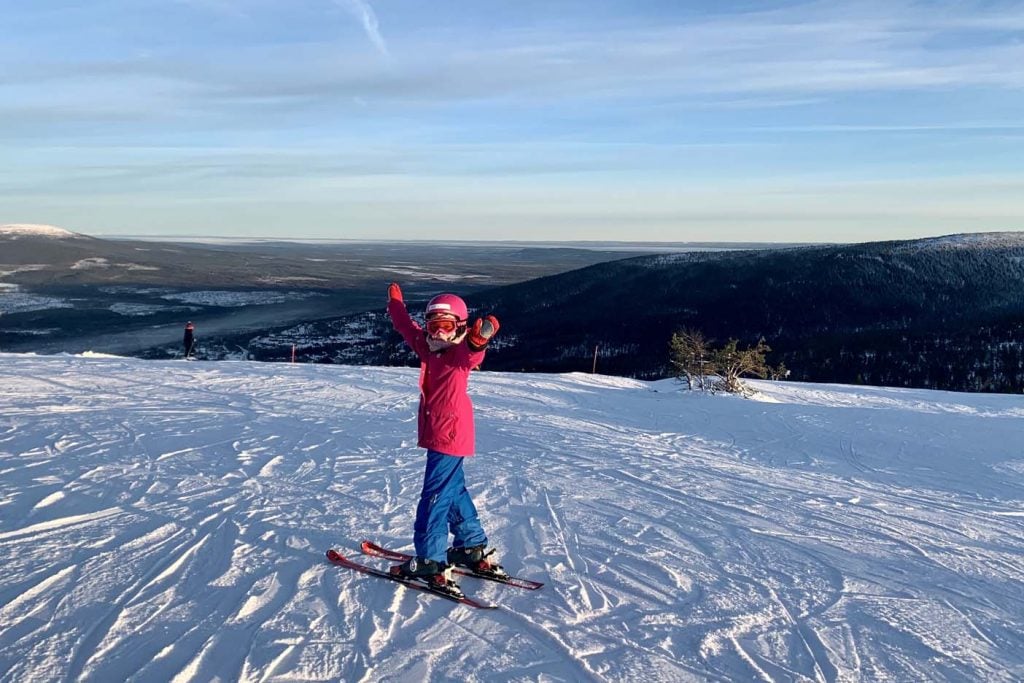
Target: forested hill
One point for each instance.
(939, 313)
(943, 313)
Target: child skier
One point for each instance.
(448, 350)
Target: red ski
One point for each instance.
(374, 550)
(337, 558)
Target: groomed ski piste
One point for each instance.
(167, 521)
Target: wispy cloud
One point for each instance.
(362, 11)
(791, 55)
(557, 105)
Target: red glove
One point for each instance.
(394, 292)
(482, 331)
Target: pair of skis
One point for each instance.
(374, 550)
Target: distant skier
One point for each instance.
(448, 350)
(189, 340)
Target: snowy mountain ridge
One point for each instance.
(167, 521)
(976, 240)
(16, 230)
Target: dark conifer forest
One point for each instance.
(943, 313)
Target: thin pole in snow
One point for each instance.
(593, 370)
(293, 353)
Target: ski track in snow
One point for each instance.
(167, 521)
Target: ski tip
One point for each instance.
(333, 555)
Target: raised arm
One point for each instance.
(403, 322)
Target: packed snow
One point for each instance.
(167, 520)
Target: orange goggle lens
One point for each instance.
(441, 325)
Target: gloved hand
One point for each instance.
(394, 292)
(482, 331)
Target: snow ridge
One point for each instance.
(17, 230)
(976, 240)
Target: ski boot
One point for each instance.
(434, 575)
(476, 560)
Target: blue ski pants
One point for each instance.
(445, 506)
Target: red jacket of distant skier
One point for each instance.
(446, 413)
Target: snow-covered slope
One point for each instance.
(16, 230)
(167, 521)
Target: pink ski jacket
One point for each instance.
(446, 413)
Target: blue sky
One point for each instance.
(555, 120)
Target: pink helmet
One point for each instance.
(448, 303)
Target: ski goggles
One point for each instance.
(441, 325)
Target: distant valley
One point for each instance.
(942, 313)
(65, 292)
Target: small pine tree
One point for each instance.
(690, 356)
(732, 363)
(780, 371)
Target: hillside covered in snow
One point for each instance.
(31, 230)
(168, 521)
